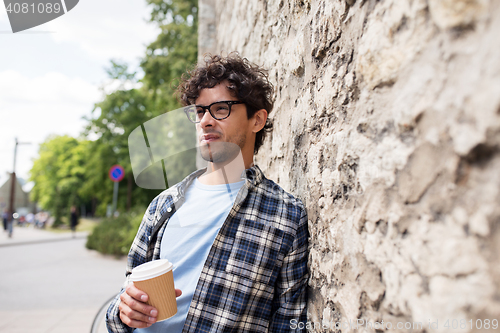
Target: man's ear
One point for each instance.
(259, 120)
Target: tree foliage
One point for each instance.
(174, 50)
(115, 117)
(70, 171)
(59, 174)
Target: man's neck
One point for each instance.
(225, 173)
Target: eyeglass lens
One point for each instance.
(219, 110)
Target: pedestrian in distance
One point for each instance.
(73, 220)
(5, 216)
(10, 223)
(238, 241)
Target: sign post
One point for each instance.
(116, 174)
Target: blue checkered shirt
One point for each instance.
(255, 276)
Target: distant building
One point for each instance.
(21, 201)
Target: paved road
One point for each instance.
(51, 283)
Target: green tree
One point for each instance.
(169, 57)
(174, 50)
(122, 111)
(70, 171)
(115, 117)
(58, 174)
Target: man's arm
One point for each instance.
(136, 256)
(113, 321)
(132, 310)
(290, 303)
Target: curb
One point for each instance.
(39, 241)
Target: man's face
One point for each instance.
(221, 140)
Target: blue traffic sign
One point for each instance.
(116, 173)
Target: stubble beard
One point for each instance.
(220, 152)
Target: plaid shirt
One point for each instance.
(255, 276)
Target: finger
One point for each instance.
(178, 292)
(129, 321)
(133, 317)
(138, 306)
(136, 293)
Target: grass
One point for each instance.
(84, 225)
(87, 224)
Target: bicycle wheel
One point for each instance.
(99, 323)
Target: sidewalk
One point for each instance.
(71, 283)
(28, 235)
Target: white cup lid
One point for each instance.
(151, 270)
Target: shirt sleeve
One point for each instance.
(113, 321)
(136, 256)
(290, 302)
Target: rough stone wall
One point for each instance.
(387, 125)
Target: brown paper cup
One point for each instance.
(156, 279)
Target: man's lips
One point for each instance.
(207, 138)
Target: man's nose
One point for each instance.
(206, 120)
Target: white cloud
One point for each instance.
(111, 85)
(106, 29)
(51, 88)
(41, 87)
(32, 108)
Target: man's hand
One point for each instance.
(134, 312)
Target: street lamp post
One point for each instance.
(13, 182)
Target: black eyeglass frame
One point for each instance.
(207, 108)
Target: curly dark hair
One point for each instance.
(248, 82)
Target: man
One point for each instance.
(5, 217)
(237, 240)
(73, 220)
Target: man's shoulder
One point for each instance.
(278, 205)
(272, 188)
(165, 197)
(268, 187)
(271, 205)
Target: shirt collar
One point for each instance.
(252, 175)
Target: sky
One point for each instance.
(51, 75)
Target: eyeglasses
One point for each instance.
(218, 110)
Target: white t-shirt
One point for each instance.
(187, 240)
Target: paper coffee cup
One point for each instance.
(156, 279)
